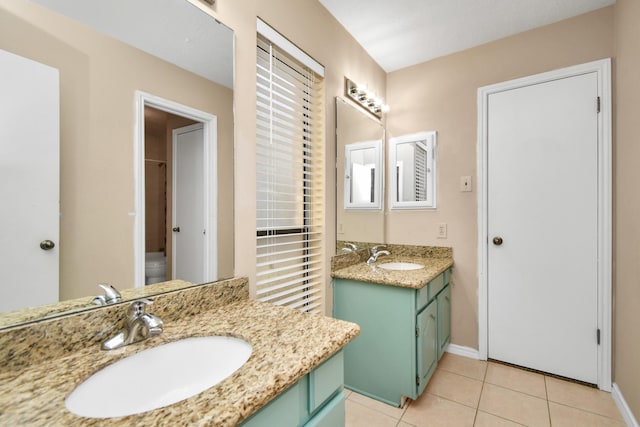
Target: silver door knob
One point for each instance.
(497, 241)
(47, 245)
(176, 229)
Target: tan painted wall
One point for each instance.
(314, 30)
(96, 164)
(627, 203)
(442, 95)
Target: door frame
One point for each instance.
(603, 70)
(210, 138)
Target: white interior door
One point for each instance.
(189, 236)
(29, 182)
(542, 198)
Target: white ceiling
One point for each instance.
(401, 33)
(173, 30)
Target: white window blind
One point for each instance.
(289, 180)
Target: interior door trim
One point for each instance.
(603, 70)
(210, 126)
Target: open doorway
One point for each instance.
(158, 185)
(175, 222)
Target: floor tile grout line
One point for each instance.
(503, 418)
(376, 410)
(620, 420)
(516, 391)
(484, 379)
(546, 393)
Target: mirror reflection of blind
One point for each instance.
(289, 176)
(420, 168)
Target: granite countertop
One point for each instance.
(415, 279)
(287, 344)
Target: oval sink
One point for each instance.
(158, 376)
(401, 266)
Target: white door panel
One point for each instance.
(189, 204)
(542, 201)
(29, 182)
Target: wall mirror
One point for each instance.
(117, 160)
(412, 171)
(361, 137)
(363, 175)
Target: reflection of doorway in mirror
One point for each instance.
(158, 128)
(175, 233)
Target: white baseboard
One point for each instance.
(624, 409)
(461, 350)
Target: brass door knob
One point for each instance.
(47, 245)
(497, 241)
(176, 229)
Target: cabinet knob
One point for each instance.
(497, 241)
(176, 229)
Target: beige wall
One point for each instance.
(314, 30)
(442, 95)
(627, 202)
(96, 140)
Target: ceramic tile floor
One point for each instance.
(466, 392)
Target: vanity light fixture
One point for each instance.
(363, 97)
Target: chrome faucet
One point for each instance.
(349, 247)
(375, 253)
(139, 326)
(111, 295)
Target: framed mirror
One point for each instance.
(412, 171)
(363, 175)
(116, 158)
(353, 127)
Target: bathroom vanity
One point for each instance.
(404, 316)
(293, 377)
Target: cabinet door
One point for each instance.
(426, 345)
(444, 319)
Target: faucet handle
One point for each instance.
(375, 249)
(111, 295)
(138, 308)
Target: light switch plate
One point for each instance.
(465, 183)
(442, 230)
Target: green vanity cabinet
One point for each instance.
(443, 301)
(402, 334)
(315, 400)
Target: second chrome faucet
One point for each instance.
(139, 326)
(375, 253)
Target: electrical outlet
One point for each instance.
(442, 230)
(465, 183)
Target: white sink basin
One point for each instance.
(158, 376)
(401, 266)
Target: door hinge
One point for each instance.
(598, 104)
(598, 336)
(417, 380)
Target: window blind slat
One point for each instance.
(289, 180)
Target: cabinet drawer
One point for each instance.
(447, 276)
(331, 415)
(436, 285)
(429, 291)
(325, 380)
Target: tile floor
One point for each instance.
(467, 392)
